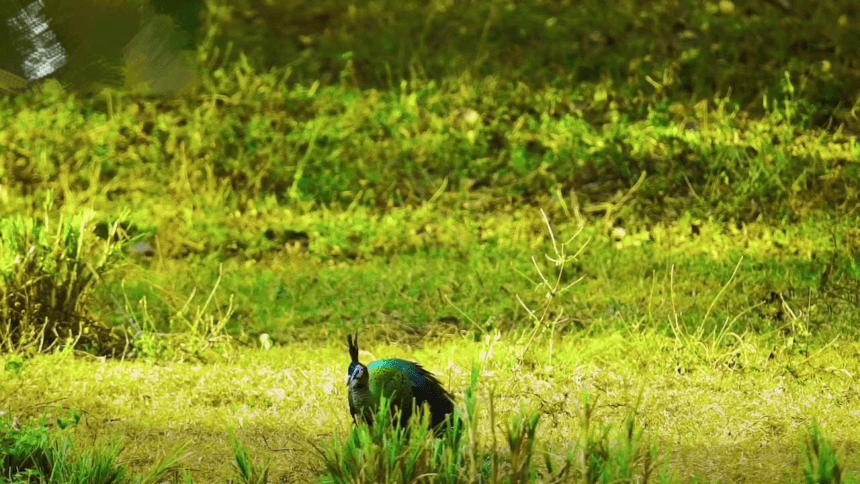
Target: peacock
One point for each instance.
(399, 380)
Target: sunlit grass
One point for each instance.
(673, 346)
(279, 401)
(640, 269)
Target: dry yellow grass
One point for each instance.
(736, 422)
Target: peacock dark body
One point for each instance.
(401, 382)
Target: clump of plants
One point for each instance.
(48, 269)
(33, 453)
(389, 454)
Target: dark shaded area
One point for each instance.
(102, 44)
(681, 48)
(688, 48)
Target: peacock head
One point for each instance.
(358, 378)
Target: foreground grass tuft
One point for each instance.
(37, 454)
(821, 464)
(247, 471)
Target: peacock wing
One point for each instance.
(392, 379)
(403, 380)
(426, 388)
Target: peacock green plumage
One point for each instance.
(401, 382)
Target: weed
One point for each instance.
(247, 471)
(35, 454)
(49, 270)
(820, 462)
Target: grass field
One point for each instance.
(626, 265)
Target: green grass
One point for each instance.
(463, 454)
(639, 236)
(467, 277)
(716, 337)
(49, 269)
(41, 453)
(698, 413)
(338, 147)
(678, 327)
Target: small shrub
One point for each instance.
(48, 270)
